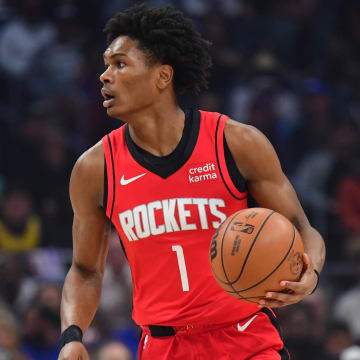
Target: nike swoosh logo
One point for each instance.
(244, 327)
(124, 181)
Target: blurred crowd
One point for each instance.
(289, 67)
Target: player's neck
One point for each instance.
(159, 130)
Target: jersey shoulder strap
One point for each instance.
(220, 156)
(110, 144)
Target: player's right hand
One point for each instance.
(74, 350)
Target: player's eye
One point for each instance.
(120, 64)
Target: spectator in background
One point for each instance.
(351, 353)
(114, 351)
(337, 339)
(115, 304)
(266, 101)
(45, 270)
(57, 67)
(301, 336)
(41, 325)
(317, 117)
(226, 60)
(317, 177)
(50, 174)
(9, 336)
(23, 38)
(20, 41)
(12, 270)
(199, 8)
(348, 202)
(346, 306)
(20, 228)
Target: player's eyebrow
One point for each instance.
(113, 55)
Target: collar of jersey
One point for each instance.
(164, 166)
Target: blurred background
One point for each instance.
(289, 67)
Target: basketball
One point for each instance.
(253, 250)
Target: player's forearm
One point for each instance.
(80, 297)
(314, 246)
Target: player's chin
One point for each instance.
(114, 111)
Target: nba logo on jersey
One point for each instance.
(202, 172)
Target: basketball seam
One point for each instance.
(221, 257)
(253, 244)
(266, 277)
(248, 254)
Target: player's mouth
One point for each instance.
(109, 98)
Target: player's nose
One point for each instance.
(106, 76)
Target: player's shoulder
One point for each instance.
(251, 150)
(243, 136)
(92, 160)
(87, 176)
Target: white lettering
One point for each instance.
(183, 214)
(155, 230)
(142, 227)
(201, 202)
(143, 220)
(213, 205)
(195, 174)
(169, 215)
(127, 224)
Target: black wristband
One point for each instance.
(317, 282)
(72, 333)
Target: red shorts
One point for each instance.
(256, 337)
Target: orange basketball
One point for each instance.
(253, 250)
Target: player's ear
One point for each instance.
(166, 74)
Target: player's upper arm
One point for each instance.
(258, 162)
(90, 226)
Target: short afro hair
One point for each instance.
(166, 36)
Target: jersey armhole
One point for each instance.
(221, 159)
(105, 196)
(109, 177)
(235, 174)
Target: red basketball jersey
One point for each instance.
(166, 224)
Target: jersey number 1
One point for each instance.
(182, 267)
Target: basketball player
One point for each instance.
(166, 180)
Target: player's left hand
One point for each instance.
(294, 291)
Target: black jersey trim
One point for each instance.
(235, 175)
(218, 161)
(123, 247)
(284, 353)
(113, 173)
(164, 166)
(105, 196)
